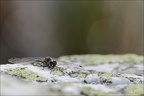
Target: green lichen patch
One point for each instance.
(78, 74)
(92, 92)
(57, 72)
(94, 59)
(133, 58)
(107, 76)
(26, 75)
(39, 64)
(137, 90)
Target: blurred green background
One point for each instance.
(55, 28)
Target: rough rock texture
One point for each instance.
(82, 75)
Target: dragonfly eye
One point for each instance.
(52, 64)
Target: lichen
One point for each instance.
(92, 92)
(26, 75)
(135, 90)
(78, 75)
(94, 59)
(106, 77)
(57, 72)
(39, 64)
(82, 75)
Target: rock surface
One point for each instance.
(82, 75)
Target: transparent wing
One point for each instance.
(25, 60)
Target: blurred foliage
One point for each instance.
(77, 18)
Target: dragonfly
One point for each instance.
(47, 61)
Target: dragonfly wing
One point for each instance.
(21, 60)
